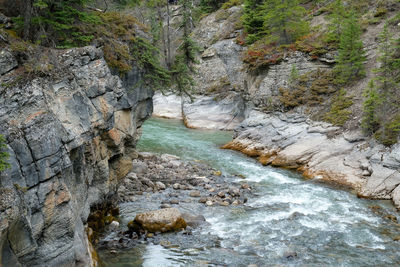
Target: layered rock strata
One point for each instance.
(71, 137)
(321, 151)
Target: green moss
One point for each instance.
(308, 89)
(221, 15)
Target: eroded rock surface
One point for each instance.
(221, 112)
(71, 137)
(319, 150)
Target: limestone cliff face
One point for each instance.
(71, 136)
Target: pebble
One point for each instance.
(150, 235)
(183, 187)
(209, 203)
(233, 191)
(236, 202)
(211, 190)
(176, 186)
(207, 186)
(245, 186)
(165, 206)
(195, 193)
(290, 254)
(174, 201)
(203, 200)
(160, 186)
(224, 203)
(114, 224)
(221, 194)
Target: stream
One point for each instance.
(287, 221)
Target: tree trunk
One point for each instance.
(27, 19)
(160, 19)
(168, 59)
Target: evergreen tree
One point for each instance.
(253, 20)
(56, 23)
(208, 6)
(182, 69)
(382, 107)
(373, 100)
(336, 18)
(351, 58)
(283, 20)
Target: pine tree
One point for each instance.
(182, 69)
(383, 98)
(283, 20)
(253, 20)
(371, 105)
(351, 58)
(336, 18)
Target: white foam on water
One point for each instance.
(156, 255)
(260, 173)
(315, 224)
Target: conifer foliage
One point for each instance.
(283, 20)
(56, 22)
(182, 69)
(280, 20)
(351, 58)
(382, 104)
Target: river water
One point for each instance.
(289, 221)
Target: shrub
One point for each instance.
(339, 112)
(3, 154)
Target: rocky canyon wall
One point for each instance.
(71, 137)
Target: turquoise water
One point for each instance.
(286, 214)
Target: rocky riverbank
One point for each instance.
(182, 188)
(318, 150)
(295, 139)
(180, 181)
(321, 151)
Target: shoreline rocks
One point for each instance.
(164, 220)
(319, 151)
(181, 181)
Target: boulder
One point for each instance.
(164, 220)
(7, 62)
(193, 220)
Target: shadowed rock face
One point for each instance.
(70, 137)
